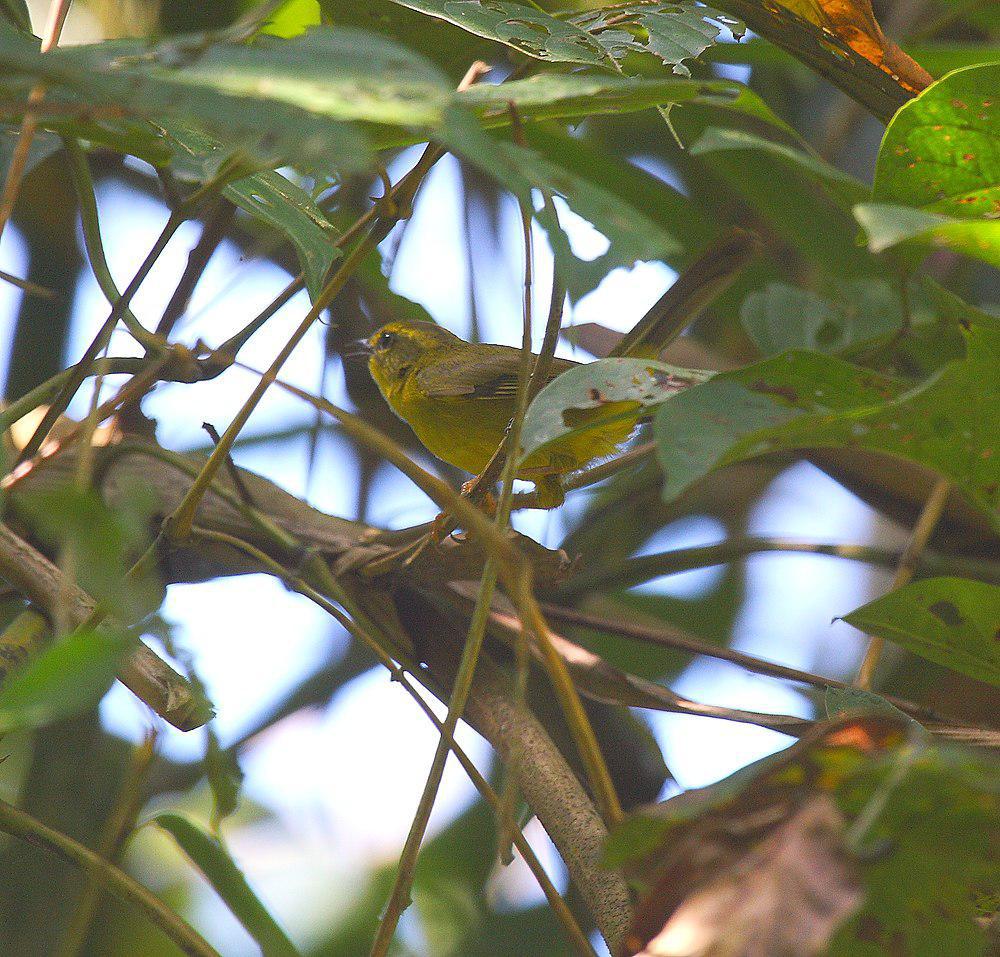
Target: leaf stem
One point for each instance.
(926, 522)
(23, 826)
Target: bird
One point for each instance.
(459, 397)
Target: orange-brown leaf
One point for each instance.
(853, 21)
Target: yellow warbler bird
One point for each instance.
(459, 397)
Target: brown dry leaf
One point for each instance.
(853, 21)
(785, 898)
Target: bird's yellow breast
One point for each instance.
(466, 431)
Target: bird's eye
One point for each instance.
(385, 340)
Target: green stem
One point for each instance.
(23, 826)
(576, 936)
(90, 222)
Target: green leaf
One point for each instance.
(671, 32)
(268, 196)
(941, 152)
(803, 400)
(842, 186)
(219, 869)
(16, 12)
(526, 29)
(602, 385)
(888, 226)
(924, 853)
(101, 543)
(277, 100)
(224, 775)
(293, 18)
(781, 317)
(954, 622)
(576, 95)
(521, 169)
(845, 701)
(70, 676)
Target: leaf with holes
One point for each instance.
(954, 622)
(619, 386)
(803, 400)
(671, 32)
(527, 29)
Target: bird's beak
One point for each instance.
(357, 349)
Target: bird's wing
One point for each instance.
(489, 373)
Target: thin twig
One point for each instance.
(29, 288)
(117, 829)
(516, 573)
(672, 637)
(22, 825)
(574, 933)
(633, 571)
(214, 231)
(58, 11)
(400, 896)
(926, 522)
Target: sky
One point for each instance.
(250, 639)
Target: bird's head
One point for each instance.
(396, 349)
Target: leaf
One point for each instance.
(575, 96)
(916, 817)
(786, 896)
(219, 869)
(803, 400)
(842, 186)
(954, 622)
(671, 32)
(839, 702)
(292, 18)
(277, 100)
(781, 317)
(616, 385)
(68, 677)
(888, 226)
(941, 151)
(825, 53)
(853, 21)
(270, 197)
(522, 169)
(527, 29)
(16, 12)
(923, 820)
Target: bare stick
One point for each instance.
(926, 522)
